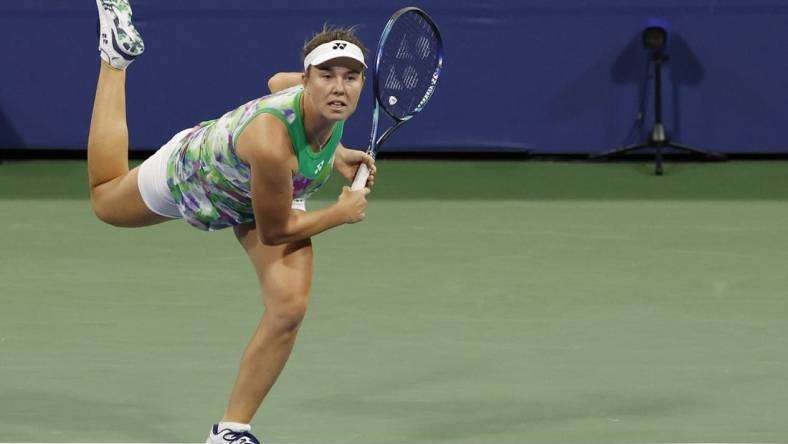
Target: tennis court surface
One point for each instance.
(480, 302)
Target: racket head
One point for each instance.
(408, 63)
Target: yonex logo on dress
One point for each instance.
(319, 167)
(339, 45)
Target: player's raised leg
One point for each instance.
(113, 189)
(119, 45)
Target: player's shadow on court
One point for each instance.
(29, 415)
(515, 417)
(473, 414)
(504, 418)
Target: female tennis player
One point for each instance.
(251, 169)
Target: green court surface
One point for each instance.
(480, 302)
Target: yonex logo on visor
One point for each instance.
(334, 50)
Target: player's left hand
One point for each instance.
(347, 161)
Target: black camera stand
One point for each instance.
(658, 139)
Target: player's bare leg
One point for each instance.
(113, 188)
(285, 275)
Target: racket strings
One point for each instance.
(409, 59)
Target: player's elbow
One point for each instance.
(277, 82)
(273, 83)
(283, 80)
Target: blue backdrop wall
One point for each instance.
(552, 76)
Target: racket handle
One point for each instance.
(361, 178)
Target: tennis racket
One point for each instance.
(407, 66)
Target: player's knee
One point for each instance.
(288, 314)
(102, 210)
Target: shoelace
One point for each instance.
(238, 437)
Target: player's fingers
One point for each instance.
(369, 161)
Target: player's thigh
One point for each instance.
(119, 202)
(284, 271)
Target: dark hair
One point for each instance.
(330, 33)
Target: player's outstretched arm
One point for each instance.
(265, 146)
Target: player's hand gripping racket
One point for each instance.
(407, 66)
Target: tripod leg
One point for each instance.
(622, 150)
(709, 154)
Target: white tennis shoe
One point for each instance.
(119, 41)
(227, 436)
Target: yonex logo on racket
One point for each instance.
(402, 73)
(430, 90)
(339, 45)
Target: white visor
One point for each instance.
(333, 50)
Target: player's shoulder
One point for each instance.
(265, 138)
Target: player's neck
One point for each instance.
(317, 128)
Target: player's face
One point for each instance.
(334, 87)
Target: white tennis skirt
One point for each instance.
(152, 181)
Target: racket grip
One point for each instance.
(361, 178)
